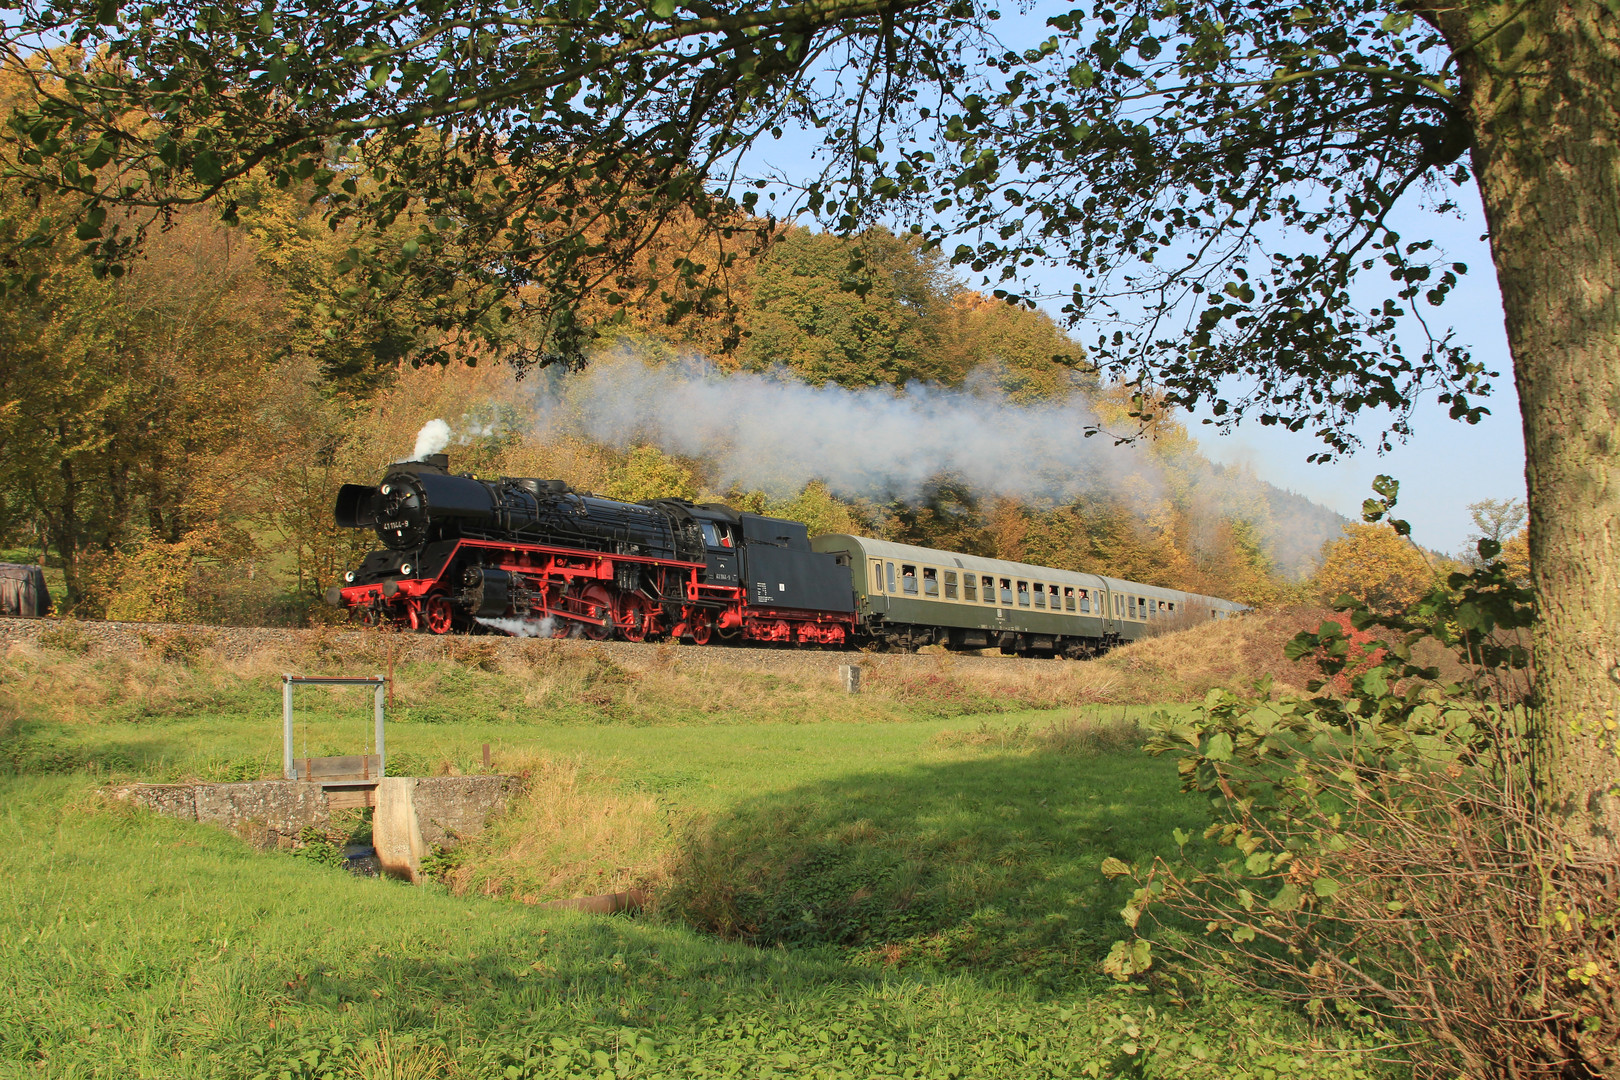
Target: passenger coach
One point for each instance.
(907, 597)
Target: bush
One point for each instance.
(1381, 856)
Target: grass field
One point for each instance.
(905, 888)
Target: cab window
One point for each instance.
(970, 588)
(1023, 594)
(908, 579)
(1040, 595)
(710, 536)
(930, 581)
(950, 585)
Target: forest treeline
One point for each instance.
(172, 437)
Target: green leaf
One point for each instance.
(1287, 898)
(664, 9)
(1325, 887)
(1220, 747)
(1112, 867)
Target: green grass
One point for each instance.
(914, 897)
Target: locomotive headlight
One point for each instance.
(405, 568)
(349, 577)
(388, 489)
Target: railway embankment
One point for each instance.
(1179, 666)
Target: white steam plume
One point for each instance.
(432, 439)
(523, 628)
(774, 433)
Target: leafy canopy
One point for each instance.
(1219, 175)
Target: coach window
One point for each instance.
(989, 584)
(891, 576)
(1040, 595)
(930, 581)
(877, 575)
(970, 588)
(1006, 590)
(908, 579)
(1130, 606)
(1085, 601)
(1052, 589)
(950, 585)
(1023, 594)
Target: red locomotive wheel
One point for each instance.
(702, 629)
(438, 616)
(598, 603)
(635, 617)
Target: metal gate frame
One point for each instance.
(288, 681)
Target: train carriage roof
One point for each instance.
(885, 549)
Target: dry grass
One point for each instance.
(180, 673)
(571, 833)
(1065, 735)
(400, 1057)
(1187, 664)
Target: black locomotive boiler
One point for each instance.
(536, 557)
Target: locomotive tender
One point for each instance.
(535, 557)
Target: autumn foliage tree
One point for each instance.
(1376, 566)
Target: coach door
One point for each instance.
(876, 595)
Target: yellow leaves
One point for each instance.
(1374, 565)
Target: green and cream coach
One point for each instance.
(907, 597)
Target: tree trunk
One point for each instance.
(1543, 90)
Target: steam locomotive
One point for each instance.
(536, 558)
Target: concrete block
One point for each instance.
(394, 831)
(448, 807)
(283, 807)
(173, 800)
(849, 677)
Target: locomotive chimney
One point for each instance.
(437, 461)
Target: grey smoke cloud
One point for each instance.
(770, 431)
(774, 433)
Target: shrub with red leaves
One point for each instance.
(1358, 660)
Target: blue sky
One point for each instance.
(1446, 464)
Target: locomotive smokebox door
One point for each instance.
(354, 506)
